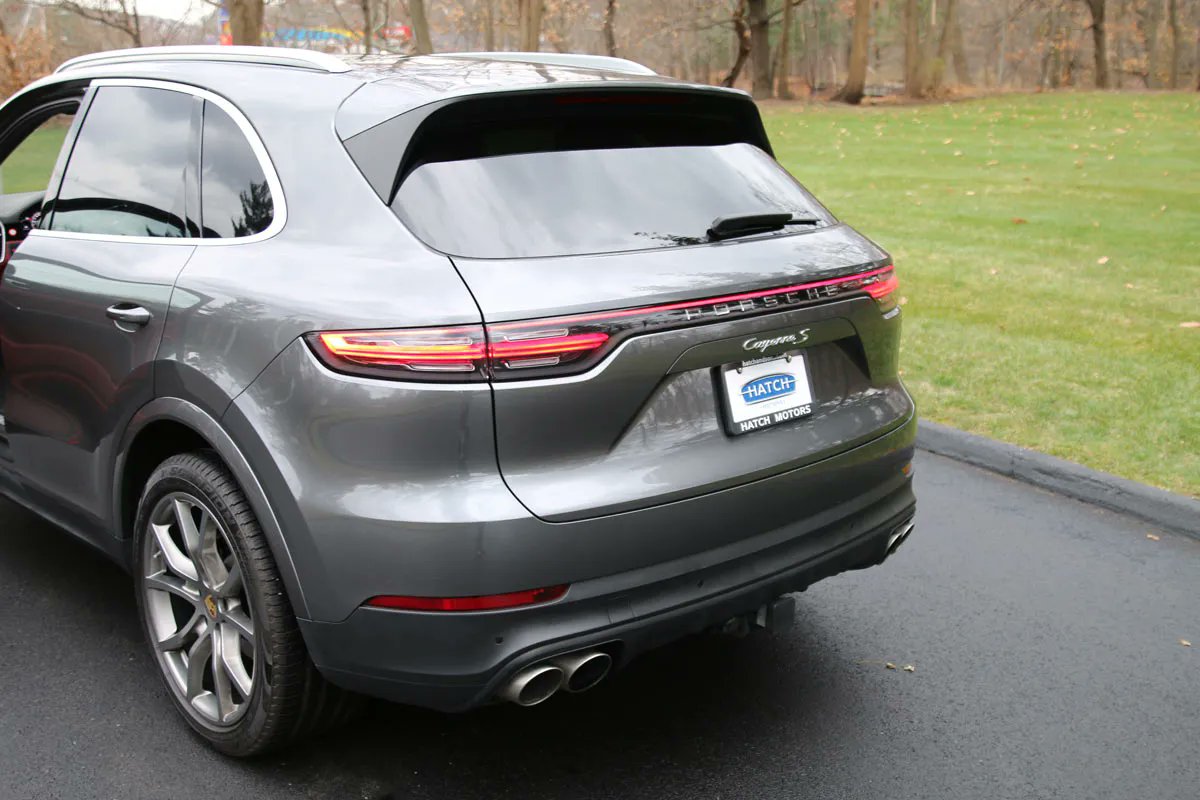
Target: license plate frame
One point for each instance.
(778, 404)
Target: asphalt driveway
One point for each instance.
(1044, 637)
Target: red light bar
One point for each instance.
(552, 347)
(421, 349)
(548, 346)
(487, 602)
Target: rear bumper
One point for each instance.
(454, 662)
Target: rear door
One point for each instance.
(85, 296)
(638, 356)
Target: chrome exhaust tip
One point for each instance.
(582, 671)
(897, 538)
(533, 685)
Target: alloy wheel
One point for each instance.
(200, 620)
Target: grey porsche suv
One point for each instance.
(448, 379)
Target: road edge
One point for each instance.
(1165, 509)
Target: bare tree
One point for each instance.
(951, 46)
(1099, 41)
(610, 18)
(119, 15)
(245, 21)
(760, 47)
(783, 88)
(420, 26)
(529, 18)
(856, 78)
(741, 33)
(913, 80)
(1173, 26)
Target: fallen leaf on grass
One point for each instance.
(1102, 260)
(1152, 537)
(1019, 220)
(948, 141)
(970, 194)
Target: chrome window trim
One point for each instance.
(279, 203)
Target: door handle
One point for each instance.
(128, 313)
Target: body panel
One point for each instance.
(74, 377)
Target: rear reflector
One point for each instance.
(485, 602)
(558, 346)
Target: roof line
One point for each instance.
(583, 60)
(273, 56)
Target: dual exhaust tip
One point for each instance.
(897, 538)
(574, 672)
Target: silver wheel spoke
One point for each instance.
(231, 658)
(198, 624)
(179, 587)
(239, 622)
(176, 560)
(232, 585)
(198, 658)
(220, 676)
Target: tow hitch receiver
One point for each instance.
(776, 616)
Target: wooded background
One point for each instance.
(847, 49)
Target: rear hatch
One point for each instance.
(643, 354)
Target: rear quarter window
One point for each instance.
(235, 198)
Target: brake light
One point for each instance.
(488, 602)
(565, 345)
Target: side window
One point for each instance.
(126, 173)
(28, 167)
(234, 197)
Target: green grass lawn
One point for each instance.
(28, 168)
(1049, 250)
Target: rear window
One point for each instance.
(599, 200)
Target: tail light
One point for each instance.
(487, 602)
(564, 345)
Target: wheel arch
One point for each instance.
(167, 426)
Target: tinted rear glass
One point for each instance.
(570, 202)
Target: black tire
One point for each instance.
(289, 698)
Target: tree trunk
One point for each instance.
(760, 47)
(610, 36)
(912, 50)
(246, 21)
(1173, 26)
(783, 88)
(1099, 42)
(951, 46)
(1150, 26)
(529, 13)
(420, 26)
(741, 34)
(368, 24)
(489, 26)
(856, 78)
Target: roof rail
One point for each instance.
(561, 60)
(274, 56)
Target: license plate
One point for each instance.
(760, 394)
